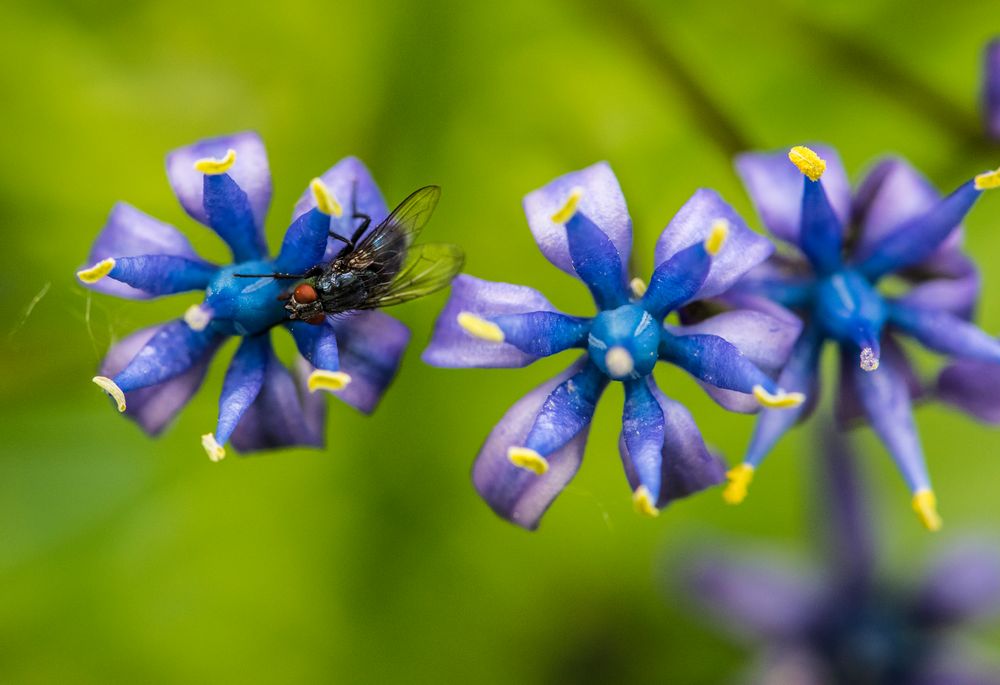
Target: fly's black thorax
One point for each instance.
(349, 283)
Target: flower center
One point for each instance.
(245, 306)
(624, 342)
(852, 312)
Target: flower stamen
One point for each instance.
(807, 161)
(638, 287)
(211, 166)
(325, 200)
(717, 238)
(479, 327)
(869, 360)
(213, 449)
(197, 317)
(528, 459)
(642, 502)
(97, 271)
(110, 387)
(739, 478)
(779, 399)
(567, 211)
(925, 504)
(619, 362)
(321, 379)
(988, 180)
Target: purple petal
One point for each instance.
(766, 339)
(250, 172)
(775, 187)
(945, 333)
(283, 414)
(641, 440)
(991, 89)
(162, 274)
(962, 585)
(352, 185)
(972, 387)
(848, 406)
(890, 193)
(371, 346)
(950, 282)
(516, 494)
(130, 233)
(602, 202)
(244, 379)
(693, 223)
(453, 347)
(153, 407)
(317, 344)
(171, 351)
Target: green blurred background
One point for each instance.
(127, 559)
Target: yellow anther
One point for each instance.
(213, 449)
(528, 459)
(739, 479)
(925, 504)
(197, 318)
(569, 209)
(643, 503)
(638, 287)
(110, 387)
(325, 201)
(212, 166)
(988, 180)
(716, 239)
(479, 327)
(808, 162)
(97, 271)
(327, 380)
(778, 400)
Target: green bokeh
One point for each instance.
(128, 559)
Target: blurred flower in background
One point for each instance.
(895, 231)
(991, 89)
(846, 624)
(582, 225)
(224, 183)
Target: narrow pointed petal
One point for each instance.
(597, 262)
(822, 234)
(765, 338)
(243, 382)
(352, 186)
(129, 232)
(891, 193)
(452, 346)
(231, 217)
(642, 438)
(742, 251)
(676, 281)
(542, 334)
(919, 238)
(972, 387)
(284, 414)
(516, 494)
(775, 186)
(317, 344)
(155, 406)
(962, 585)
(601, 200)
(248, 187)
(171, 351)
(715, 361)
(991, 89)
(156, 275)
(371, 346)
(567, 411)
(951, 284)
(945, 333)
(305, 243)
(848, 406)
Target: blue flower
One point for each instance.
(895, 225)
(224, 183)
(991, 89)
(582, 225)
(845, 624)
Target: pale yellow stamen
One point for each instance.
(808, 162)
(778, 400)
(739, 479)
(479, 327)
(213, 449)
(925, 504)
(197, 318)
(567, 211)
(97, 271)
(642, 501)
(717, 238)
(212, 166)
(988, 180)
(528, 459)
(327, 380)
(110, 387)
(638, 287)
(325, 201)
(619, 362)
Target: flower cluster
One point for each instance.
(582, 226)
(224, 183)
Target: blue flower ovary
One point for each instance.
(246, 306)
(623, 342)
(851, 311)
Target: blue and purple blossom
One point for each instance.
(844, 249)
(224, 183)
(991, 89)
(846, 624)
(582, 225)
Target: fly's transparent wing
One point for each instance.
(394, 236)
(428, 268)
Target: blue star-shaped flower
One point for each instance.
(224, 183)
(582, 225)
(845, 248)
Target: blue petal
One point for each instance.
(305, 243)
(542, 334)
(714, 360)
(163, 274)
(676, 281)
(228, 211)
(597, 262)
(945, 333)
(283, 414)
(243, 382)
(822, 234)
(643, 434)
(371, 346)
(318, 344)
(567, 411)
(174, 349)
(916, 240)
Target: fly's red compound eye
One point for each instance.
(305, 294)
(317, 320)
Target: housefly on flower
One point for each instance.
(379, 269)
